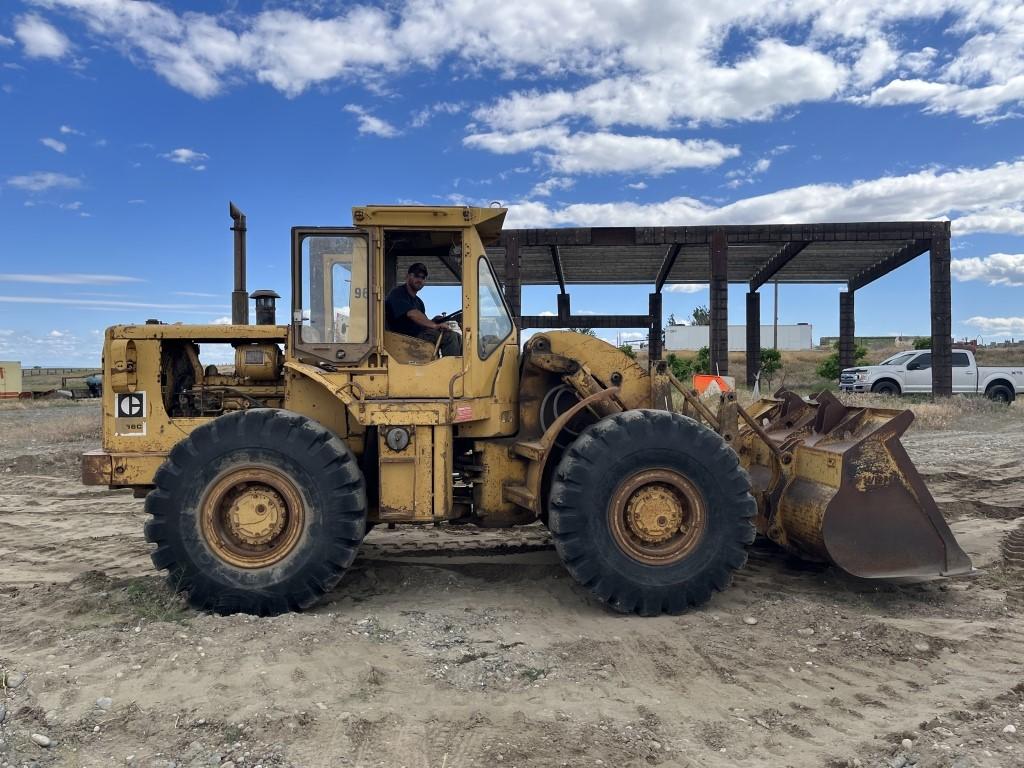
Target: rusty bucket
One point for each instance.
(834, 484)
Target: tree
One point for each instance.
(672, 319)
(830, 369)
(628, 351)
(584, 331)
(771, 363)
(701, 315)
(923, 342)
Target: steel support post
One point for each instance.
(753, 336)
(654, 344)
(942, 311)
(719, 289)
(513, 286)
(847, 329)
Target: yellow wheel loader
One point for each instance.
(262, 478)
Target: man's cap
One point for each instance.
(418, 268)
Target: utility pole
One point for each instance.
(775, 324)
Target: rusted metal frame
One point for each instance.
(666, 266)
(654, 343)
(759, 431)
(718, 257)
(513, 284)
(693, 401)
(556, 261)
(847, 328)
(239, 296)
(585, 321)
(942, 310)
(784, 255)
(896, 259)
(753, 336)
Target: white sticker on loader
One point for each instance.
(130, 418)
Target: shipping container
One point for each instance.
(688, 337)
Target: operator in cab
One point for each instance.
(405, 313)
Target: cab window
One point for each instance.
(495, 321)
(960, 360)
(335, 297)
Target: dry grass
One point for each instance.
(28, 422)
(946, 412)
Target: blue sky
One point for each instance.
(125, 128)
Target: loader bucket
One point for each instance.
(834, 483)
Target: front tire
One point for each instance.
(886, 388)
(651, 512)
(258, 511)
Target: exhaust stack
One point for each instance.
(239, 296)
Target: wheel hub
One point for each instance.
(654, 513)
(252, 516)
(257, 515)
(657, 516)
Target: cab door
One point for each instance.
(919, 374)
(965, 373)
(333, 317)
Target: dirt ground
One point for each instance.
(450, 648)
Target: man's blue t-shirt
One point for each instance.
(396, 308)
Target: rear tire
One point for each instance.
(1000, 393)
(651, 512)
(886, 388)
(258, 511)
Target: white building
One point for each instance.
(685, 337)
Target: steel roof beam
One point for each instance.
(666, 266)
(784, 255)
(895, 260)
(556, 260)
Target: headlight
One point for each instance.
(861, 377)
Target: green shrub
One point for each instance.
(830, 369)
(684, 369)
(925, 342)
(628, 351)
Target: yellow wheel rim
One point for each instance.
(252, 517)
(657, 516)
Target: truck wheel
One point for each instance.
(651, 512)
(258, 511)
(1000, 393)
(886, 388)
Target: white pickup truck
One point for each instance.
(909, 372)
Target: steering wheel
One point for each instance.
(444, 318)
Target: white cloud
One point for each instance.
(104, 304)
(997, 326)
(925, 195)
(68, 130)
(1007, 220)
(919, 62)
(685, 288)
(997, 269)
(638, 185)
(775, 76)
(224, 320)
(875, 59)
(137, 201)
(574, 153)
(547, 313)
(189, 157)
(40, 181)
(69, 278)
(6, 40)
(425, 115)
(56, 334)
(40, 38)
(546, 187)
(370, 124)
(56, 146)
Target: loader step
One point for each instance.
(531, 450)
(521, 495)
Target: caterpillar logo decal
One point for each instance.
(130, 418)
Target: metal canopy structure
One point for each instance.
(852, 253)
